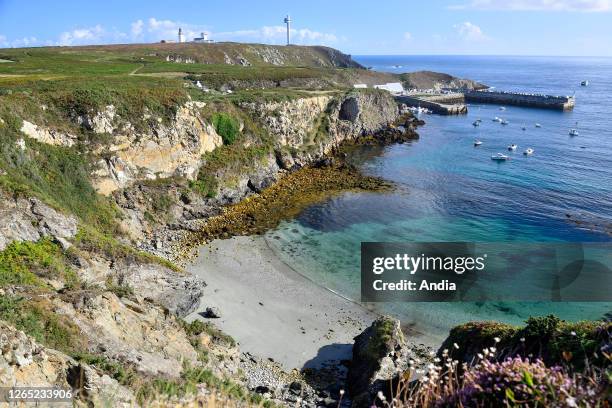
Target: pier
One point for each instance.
(454, 103)
(521, 99)
(442, 104)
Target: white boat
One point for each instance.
(496, 119)
(538, 125)
(528, 151)
(584, 83)
(477, 142)
(500, 157)
(512, 147)
(573, 132)
(476, 123)
(504, 122)
(502, 108)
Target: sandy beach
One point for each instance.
(271, 310)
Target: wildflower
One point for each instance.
(424, 378)
(436, 360)
(456, 346)
(497, 339)
(522, 339)
(571, 402)
(341, 392)
(480, 356)
(573, 333)
(493, 349)
(381, 396)
(432, 353)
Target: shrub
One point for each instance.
(36, 319)
(24, 263)
(226, 126)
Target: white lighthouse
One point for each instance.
(288, 22)
(181, 36)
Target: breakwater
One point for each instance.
(440, 104)
(521, 99)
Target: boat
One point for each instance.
(528, 151)
(500, 157)
(584, 83)
(524, 128)
(573, 132)
(497, 119)
(512, 147)
(476, 123)
(538, 125)
(502, 108)
(477, 142)
(504, 122)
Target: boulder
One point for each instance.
(380, 353)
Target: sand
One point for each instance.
(271, 310)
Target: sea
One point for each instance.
(448, 190)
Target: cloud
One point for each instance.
(538, 5)
(81, 36)
(469, 31)
(137, 27)
(278, 35)
(407, 36)
(3, 42)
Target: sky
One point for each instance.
(387, 27)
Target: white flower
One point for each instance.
(436, 360)
(573, 333)
(430, 366)
(341, 392)
(381, 396)
(424, 378)
(571, 402)
(432, 353)
(480, 356)
(522, 339)
(455, 345)
(493, 349)
(497, 339)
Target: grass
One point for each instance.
(26, 263)
(36, 318)
(188, 385)
(547, 337)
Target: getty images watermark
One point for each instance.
(461, 271)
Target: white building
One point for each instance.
(181, 36)
(393, 87)
(202, 39)
(360, 86)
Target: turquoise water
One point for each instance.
(448, 190)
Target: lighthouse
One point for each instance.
(181, 37)
(288, 22)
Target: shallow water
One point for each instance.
(449, 190)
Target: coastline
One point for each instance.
(263, 302)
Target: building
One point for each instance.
(203, 38)
(393, 87)
(360, 86)
(181, 36)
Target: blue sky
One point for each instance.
(509, 27)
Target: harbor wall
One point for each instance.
(435, 107)
(519, 99)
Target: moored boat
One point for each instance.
(500, 157)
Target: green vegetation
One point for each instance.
(197, 327)
(59, 176)
(36, 318)
(226, 126)
(187, 385)
(554, 340)
(124, 374)
(25, 263)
